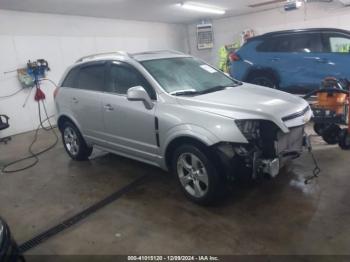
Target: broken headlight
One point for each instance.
(249, 128)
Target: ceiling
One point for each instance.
(143, 10)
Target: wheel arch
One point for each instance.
(178, 141)
(265, 71)
(63, 118)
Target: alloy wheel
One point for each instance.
(193, 175)
(71, 140)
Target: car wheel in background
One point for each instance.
(319, 128)
(344, 139)
(263, 79)
(331, 134)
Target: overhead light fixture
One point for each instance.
(202, 8)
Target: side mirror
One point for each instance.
(138, 93)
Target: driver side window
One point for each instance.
(123, 76)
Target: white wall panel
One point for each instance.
(8, 57)
(73, 48)
(127, 44)
(61, 40)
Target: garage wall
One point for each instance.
(227, 30)
(61, 40)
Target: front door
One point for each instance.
(129, 126)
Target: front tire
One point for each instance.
(74, 142)
(197, 175)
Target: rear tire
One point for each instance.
(74, 142)
(197, 175)
(263, 80)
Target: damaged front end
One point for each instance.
(267, 150)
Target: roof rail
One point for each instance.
(159, 52)
(102, 54)
(176, 52)
(169, 51)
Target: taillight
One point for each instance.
(234, 57)
(55, 93)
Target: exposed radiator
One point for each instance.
(291, 142)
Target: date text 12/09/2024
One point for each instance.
(173, 258)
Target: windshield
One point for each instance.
(187, 75)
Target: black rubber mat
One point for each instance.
(37, 240)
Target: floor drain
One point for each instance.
(37, 240)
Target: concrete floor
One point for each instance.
(280, 216)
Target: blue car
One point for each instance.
(294, 61)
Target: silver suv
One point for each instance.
(176, 112)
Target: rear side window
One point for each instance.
(306, 43)
(293, 43)
(70, 78)
(123, 76)
(268, 45)
(337, 43)
(91, 77)
(275, 44)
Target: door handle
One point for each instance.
(109, 107)
(75, 100)
(317, 59)
(276, 59)
(322, 61)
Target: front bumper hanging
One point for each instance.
(260, 160)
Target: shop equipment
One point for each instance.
(4, 124)
(9, 251)
(331, 111)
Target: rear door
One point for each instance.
(274, 54)
(85, 99)
(306, 49)
(294, 57)
(336, 57)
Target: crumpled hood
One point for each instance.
(247, 102)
